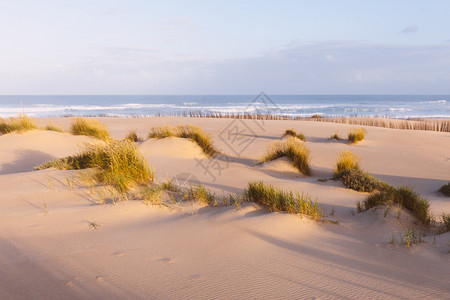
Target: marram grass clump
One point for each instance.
(20, 123)
(90, 127)
(294, 150)
(356, 135)
(346, 160)
(293, 133)
(445, 189)
(132, 136)
(361, 181)
(194, 133)
(404, 196)
(335, 136)
(278, 200)
(53, 128)
(115, 163)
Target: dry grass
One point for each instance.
(194, 133)
(356, 135)
(335, 137)
(293, 133)
(346, 160)
(20, 123)
(132, 136)
(90, 127)
(278, 200)
(294, 150)
(116, 163)
(53, 128)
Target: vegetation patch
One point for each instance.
(445, 227)
(346, 160)
(361, 181)
(53, 128)
(278, 200)
(132, 136)
(335, 137)
(293, 133)
(403, 196)
(20, 124)
(90, 127)
(294, 150)
(445, 189)
(356, 135)
(116, 163)
(194, 133)
(408, 238)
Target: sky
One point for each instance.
(210, 47)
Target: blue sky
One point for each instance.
(224, 47)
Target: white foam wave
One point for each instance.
(433, 101)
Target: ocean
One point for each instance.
(392, 106)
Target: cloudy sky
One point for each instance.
(224, 47)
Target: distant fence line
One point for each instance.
(442, 125)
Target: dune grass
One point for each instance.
(278, 200)
(335, 136)
(132, 136)
(90, 127)
(294, 150)
(405, 197)
(408, 238)
(293, 133)
(53, 128)
(115, 163)
(445, 189)
(356, 135)
(194, 133)
(201, 194)
(346, 160)
(445, 227)
(20, 123)
(361, 181)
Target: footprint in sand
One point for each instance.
(68, 283)
(166, 260)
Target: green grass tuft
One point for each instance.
(116, 163)
(200, 193)
(445, 189)
(346, 160)
(20, 124)
(356, 135)
(293, 133)
(278, 200)
(361, 181)
(294, 150)
(405, 197)
(90, 127)
(194, 133)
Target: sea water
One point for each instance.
(393, 106)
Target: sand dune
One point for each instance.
(48, 250)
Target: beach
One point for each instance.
(59, 240)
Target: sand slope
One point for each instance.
(49, 251)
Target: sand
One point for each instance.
(48, 250)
